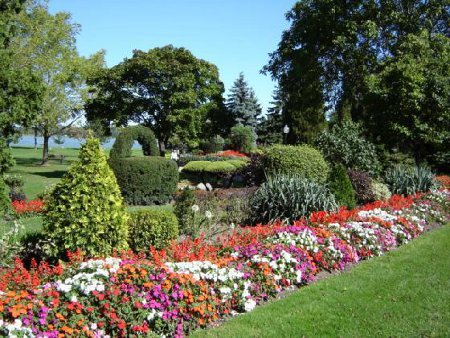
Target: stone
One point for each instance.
(201, 186)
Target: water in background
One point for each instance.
(28, 141)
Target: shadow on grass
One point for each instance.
(50, 174)
(28, 161)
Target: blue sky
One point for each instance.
(235, 35)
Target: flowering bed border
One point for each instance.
(191, 284)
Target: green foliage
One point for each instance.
(380, 191)
(151, 228)
(288, 198)
(362, 183)
(242, 138)
(183, 211)
(345, 144)
(167, 89)
(5, 203)
(85, 209)
(123, 145)
(407, 180)
(213, 145)
(214, 167)
(243, 104)
(270, 128)
(146, 180)
(6, 159)
(303, 160)
(222, 167)
(341, 186)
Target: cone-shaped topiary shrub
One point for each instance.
(5, 203)
(341, 186)
(85, 209)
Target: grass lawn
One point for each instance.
(405, 293)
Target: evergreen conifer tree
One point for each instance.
(270, 128)
(243, 104)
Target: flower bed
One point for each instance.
(28, 208)
(190, 284)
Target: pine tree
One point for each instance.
(270, 128)
(243, 104)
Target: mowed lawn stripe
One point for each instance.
(405, 293)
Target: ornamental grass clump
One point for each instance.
(288, 198)
(406, 180)
(85, 209)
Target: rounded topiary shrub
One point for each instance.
(380, 191)
(152, 228)
(123, 145)
(303, 160)
(288, 198)
(142, 180)
(146, 180)
(341, 187)
(85, 209)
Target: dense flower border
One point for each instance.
(171, 292)
(28, 208)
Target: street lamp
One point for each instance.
(285, 133)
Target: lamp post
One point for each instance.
(285, 133)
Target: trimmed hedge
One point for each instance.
(219, 167)
(152, 228)
(303, 160)
(124, 142)
(146, 180)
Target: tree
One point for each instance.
(243, 104)
(47, 44)
(270, 128)
(325, 60)
(20, 89)
(167, 89)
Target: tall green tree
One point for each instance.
(243, 104)
(270, 127)
(167, 89)
(20, 89)
(48, 45)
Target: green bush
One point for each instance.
(85, 209)
(303, 160)
(152, 228)
(219, 167)
(183, 211)
(406, 180)
(380, 191)
(5, 203)
(345, 144)
(288, 198)
(341, 187)
(123, 145)
(146, 180)
(242, 138)
(213, 145)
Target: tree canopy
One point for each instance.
(167, 89)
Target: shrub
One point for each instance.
(152, 228)
(253, 173)
(288, 198)
(146, 180)
(345, 144)
(5, 202)
(362, 184)
(242, 138)
(341, 187)
(123, 145)
(14, 181)
(380, 191)
(303, 160)
(406, 180)
(183, 210)
(213, 145)
(85, 209)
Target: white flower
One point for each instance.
(208, 214)
(249, 305)
(74, 299)
(195, 208)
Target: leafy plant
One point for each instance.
(288, 198)
(242, 138)
(253, 173)
(183, 210)
(10, 243)
(407, 180)
(341, 186)
(303, 160)
(123, 145)
(213, 145)
(5, 202)
(345, 144)
(380, 191)
(85, 209)
(362, 184)
(152, 228)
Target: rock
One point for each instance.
(209, 187)
(201, 186)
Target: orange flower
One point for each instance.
(67, 329)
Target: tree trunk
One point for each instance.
(46, 136)
(162, 147)
(35, 138)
